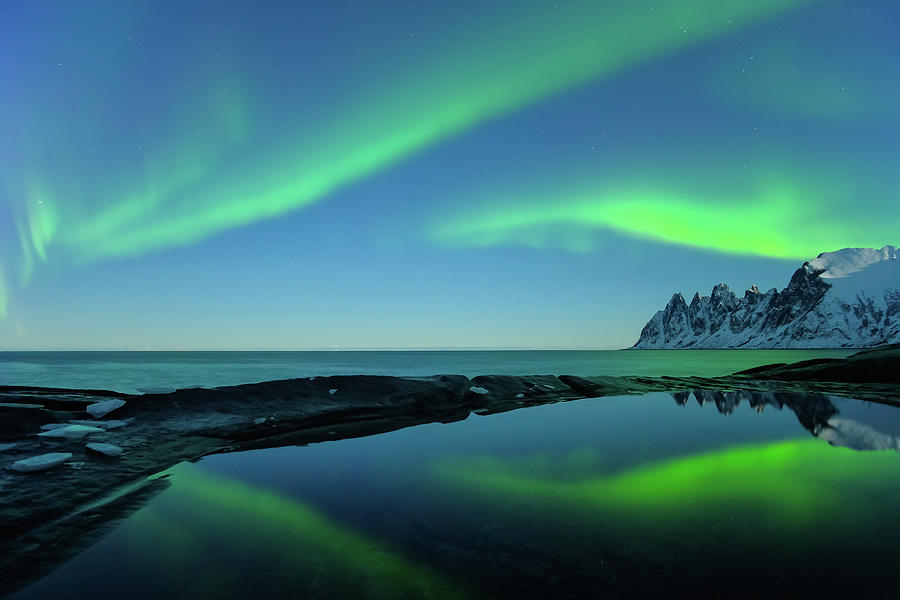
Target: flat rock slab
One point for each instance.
(18, 419)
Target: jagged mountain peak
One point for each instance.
(721, 293)
(696, 299)
(846, 298)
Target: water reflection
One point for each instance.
(284, 546)
(789, 518)
(618, 496)
(785, 484)
(816, 412)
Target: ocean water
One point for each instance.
(650, 496)
(134, 372)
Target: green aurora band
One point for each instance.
(770, 219)
(191, 190)
(794, 483)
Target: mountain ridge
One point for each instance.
(848, 298)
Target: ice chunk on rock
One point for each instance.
(111, 424)
(41, 462)
(71, 432)
(155, 389)
(520, 395)
(99, 410)
(105, 449)
(52, 426)
(259, 421)
(478, 390)
(332, 391)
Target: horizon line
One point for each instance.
(328, 349)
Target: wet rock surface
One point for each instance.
(879, 365)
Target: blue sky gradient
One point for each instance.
(472, 174)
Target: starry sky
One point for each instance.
(486, 174)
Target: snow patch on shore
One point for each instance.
(41, 462)
(71, 432)
(110, 450)
(98, 410)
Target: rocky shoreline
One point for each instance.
(48, 515)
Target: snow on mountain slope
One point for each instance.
(844, 299)
(848, 261)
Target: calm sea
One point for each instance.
(134, 372)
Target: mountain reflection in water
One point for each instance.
(875, 428)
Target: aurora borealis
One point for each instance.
(246, 177)
(767, 221)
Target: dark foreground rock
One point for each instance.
(879, 365)
(46, 517)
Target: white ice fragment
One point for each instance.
(332, 391)
(259, 421)
(478, 390)
(99, 410)
(107, 449)
(71, 432)
(52, 426)
(111, 424)
(549, 387)
(520, 395)
(41, 462)
(155, 389)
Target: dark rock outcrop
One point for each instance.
(878, 365)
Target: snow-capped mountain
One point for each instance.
(844, 299)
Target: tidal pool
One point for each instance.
(710, 493)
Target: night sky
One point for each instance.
(242, 175)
